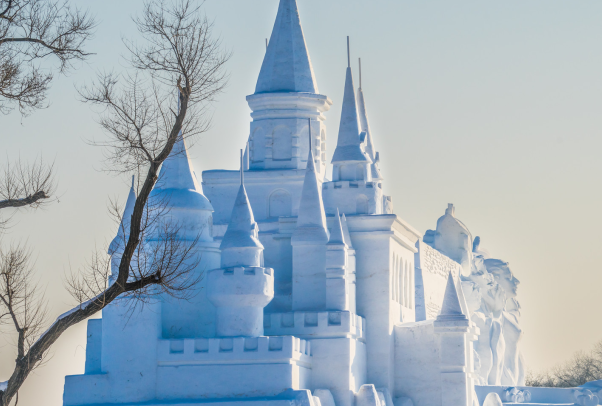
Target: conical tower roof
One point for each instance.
(242, 229)
(124, 227)
(178, 179)
(286, 66)
(349, 143)
(311, 222)
(452, 309)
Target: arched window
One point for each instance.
(280, 204)
(361, 205)
(282, 144)
(402, 281)
(347, 172)
(393, 275)
(397, 276)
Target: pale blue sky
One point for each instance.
(492, 106)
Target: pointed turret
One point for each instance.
(286, 95)
(365, 127)
(349, 144)
(177, 171)
(309, 245)
(455, 346)
(178, 189)
(452, 309)
(124, 227)
(311, 222)
(241, 245)
(286, 66)
(242, 287)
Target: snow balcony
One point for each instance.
(242, 367)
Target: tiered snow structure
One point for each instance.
(311, 291)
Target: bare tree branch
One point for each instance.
(30, 32)
(178, 52)
(26, 185)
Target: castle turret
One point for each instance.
(287, 95)
(178, 189)
(350, 160)
(309, 245)
(377, 177)
(353, 189)
(179, 199)
(456, 334)
(241, 288)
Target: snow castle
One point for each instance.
(313, 291)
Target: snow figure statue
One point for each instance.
(490, 290)
(513, 368)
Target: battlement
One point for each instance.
(353, 197)
(351, 184)
(254, 350)
(334, 324)
(246, 271)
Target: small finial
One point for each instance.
(242, 172)
(450, 209)
(360, 61)
(348, 54)
(133, 176)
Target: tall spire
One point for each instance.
(365, 127)
(286, 66)
(124, 227)
(242, 232)
(312, 217)
(348, 145)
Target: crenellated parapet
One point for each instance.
(316, 325)
(249, 367)
(202, 351)
(353, 197)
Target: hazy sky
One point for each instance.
(493, 106)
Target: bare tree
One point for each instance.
(31, 32)
(583, 367)
(142, 123)
(23, 185)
